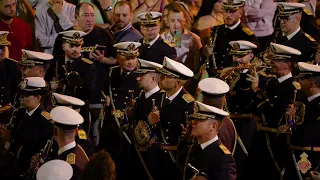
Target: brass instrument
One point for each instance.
(197, 172)
(12, 122)
(36, 162)
(72, 78)
(295, 120)
(102, 110)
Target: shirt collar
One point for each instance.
(153, 41)
(66, 59)
(234, 26)
(67, 147)
(174, 95)
(293, 34)
(32, 111)
(125, 28)
(283, 78)
(204, 145)
(149, 93)
(313, 97)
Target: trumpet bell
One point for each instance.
(74, 79)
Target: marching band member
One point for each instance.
(31, 128)
(10, 77)
(55, 169)
(66, 122)
(209, 156)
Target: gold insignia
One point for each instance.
(3, 39)
(236, 46)
(148, 16)
(296, 85)
(131, 47)
(76, 35)
(307, 12)
(271, 50)
(46, 115)
(167, 42)
(71, 158)
(23, 84)
(309, 37)
(196, 107)
(24, 56)
(304, 164)
(87, 60)
(229, 2)
(280, 8)
(224, 149)
(188, 98)
(247, 31)
(82, 134)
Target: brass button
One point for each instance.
(113, 89)
(168, 122)
(124, 103)
(126, 97)
(167, 138)
(115, 94)
(167, 130)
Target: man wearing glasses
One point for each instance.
(291, 34)
(232, 30)
(153, 48)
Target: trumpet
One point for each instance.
(12, 122)
(36, 161)
(72, 78)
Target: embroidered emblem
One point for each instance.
(296, 85)
(229, 2)
(280, 8)
(82, 134)
(148, 16)
(76, 35)
(131, 47)
(46, 115)
(23, 84)
(24, 56)
(188, 98)
(71, 158)
(224, 149)
(236, 46)
(271, 50)
(304, 164)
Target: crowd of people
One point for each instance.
(159, 89)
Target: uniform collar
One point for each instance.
(234, 26)
(313, 97)
(66, 59)
(153, 41)
(149, 93)
(204, 145)
(283, 78)
(67, 147)
(290, 36)
(32, 111)
(171, 98)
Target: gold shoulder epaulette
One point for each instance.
(309, 37)
(307, 11)
(12, 60)
(188, 98)
(82, 134)
(167, 42)
(224, 149)
(46, 115)
(296, 85)
(71, 158)
(247, 31)
(162, 91)
(87, 60)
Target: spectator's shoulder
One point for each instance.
(42, 9)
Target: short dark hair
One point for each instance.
(78, 6)
(123, 3)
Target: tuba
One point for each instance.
(36, 162)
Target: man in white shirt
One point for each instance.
(51, 18)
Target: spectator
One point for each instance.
(99, 167)
(51, 18)
(20, 34)
(213, 19)
(140, 6)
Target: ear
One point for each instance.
(312, 84)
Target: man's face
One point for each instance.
(176, 21)
(122, 16)
(277, 67)
(201, 127)
(86, 18)
(231, 17)
(288, 24)
(127, 64)
(72, 51)
(242, 60)
(3, 52)
(167, 83)
(29, 101)
(8, 9)
(150, 32)
(144, 80)
(34, 71)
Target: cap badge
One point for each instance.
(23, 84)
(280, 8)
(271, 50)
(3, 37)
(24, 56)
(76, 35)
(164, 63)
(236, 46)
(196, 108)
(229, 2)
(131, 47)
(148, 16)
